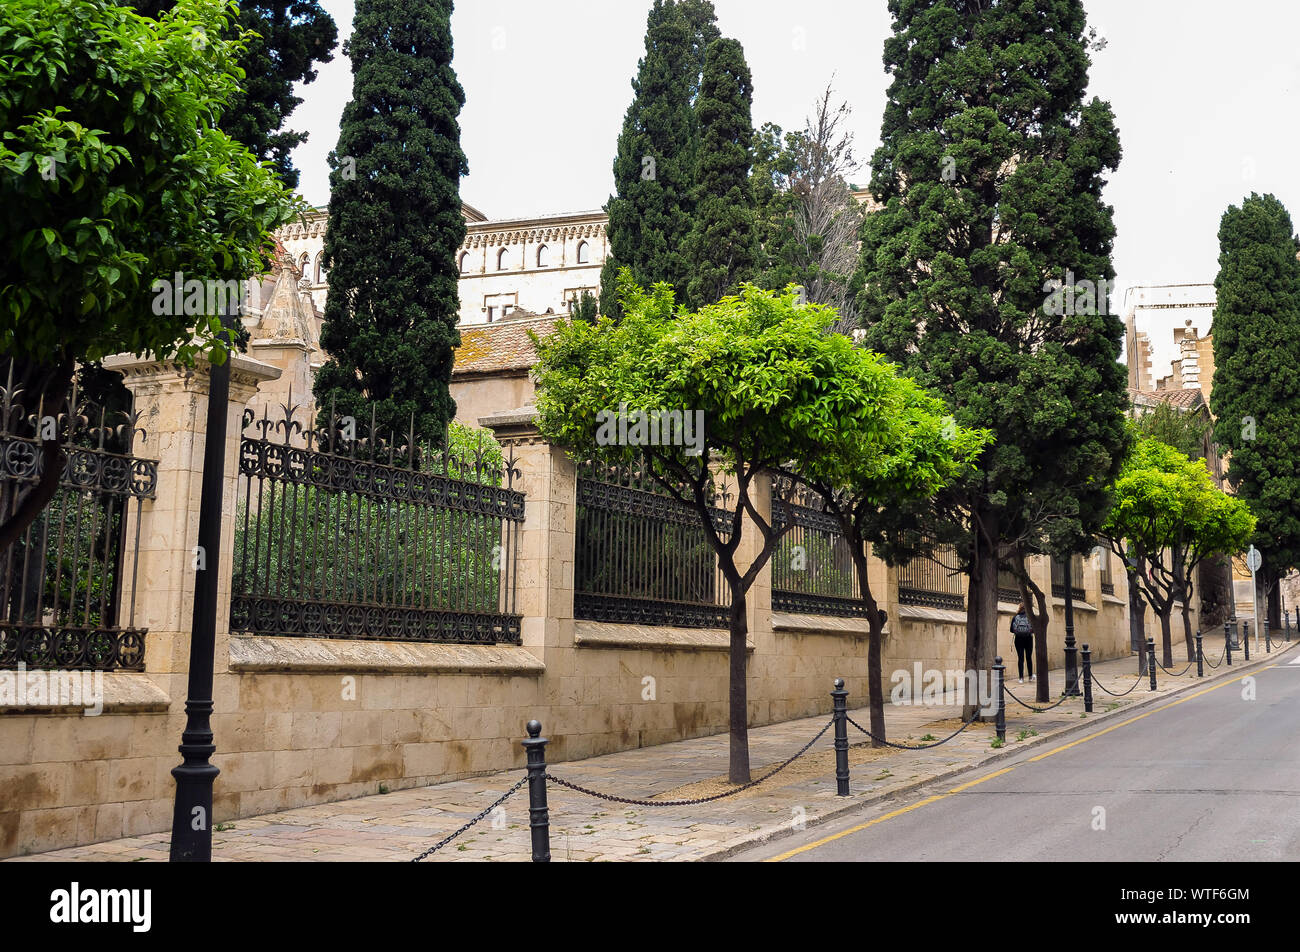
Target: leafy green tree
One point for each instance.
(723, 245)
(114, 175)
(808, 219)
(879, 473)
(1254, 399)
(395, 223)
(652, 211)
(1167, 518)
(1186, 431)
(585, 308)
(990, 169)
(772, 385)
(285, 41)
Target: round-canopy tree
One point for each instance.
(772, 385)
(114, 175)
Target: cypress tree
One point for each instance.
(395, 222)
(651, 213)
(1256, 396)
(723, 249)
(991, 168)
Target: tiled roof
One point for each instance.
(505, 345)
(1188, 398)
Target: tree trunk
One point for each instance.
(1166, 635)
(1137, 614)
(981, 608)
(1274, 619)
(738, 771)
(1189, 636)
(875, 683)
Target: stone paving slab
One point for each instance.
(400, 825)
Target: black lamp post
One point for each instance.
(192, 816)
(1071, 652)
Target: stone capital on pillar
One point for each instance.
(171, 400)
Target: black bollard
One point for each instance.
(1200, 657)
(1151, 661)
(1268, 638)
(840, 711)
(1227, 642)
(539, 817)
(1000, 719)
(1087, 679)
(1245, 639)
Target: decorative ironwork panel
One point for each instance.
(643, 557)
(67, 589)
(375, 537)
(1076, 576)
(812, 568)
(936, 581)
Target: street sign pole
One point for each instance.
(1253, 562)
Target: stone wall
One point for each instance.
(300, 721)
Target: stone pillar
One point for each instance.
(544, 566)
(172, 402)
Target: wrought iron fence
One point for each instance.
(936, 581)
(1076, 578)
(812, 568)
(1106, 578)
(67, 582)
(1008, 585)
(642, 557)
(372, 537)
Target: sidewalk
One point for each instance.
(399, 826)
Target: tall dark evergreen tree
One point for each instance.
(293, 36)
(723, 248)
(652, 211)
(395, 222)
(1256, 396)
(991, 168)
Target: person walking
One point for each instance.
(1024, 635)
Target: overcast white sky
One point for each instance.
(1205, 93)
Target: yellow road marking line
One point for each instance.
(997, 773)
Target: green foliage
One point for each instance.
(808, 220)
(1255, 400)
(723, 245)
(113, 173)
(1167, 517)
(585, 308)
(395, 222)
(991, 169)
(1185, 431)
(287, 38)
(651, 213)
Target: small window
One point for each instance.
(584, 253)
(304, 264)
(464, 261)
(503, 259)
(489, 313)
(543, 256)
(320, 268)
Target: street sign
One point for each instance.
(1253, 559)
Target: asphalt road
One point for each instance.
(1208, 776)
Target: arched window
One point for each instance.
(543, 256)
(503, 259)
(463, 264)
(304, 264)
(320, 268)
(584, 253)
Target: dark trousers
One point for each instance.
(1025, 654)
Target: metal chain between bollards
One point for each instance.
(506, 796)
(1121, 693)
(686, 803)
(889, 743)
(1038, 710)
(1170, 671)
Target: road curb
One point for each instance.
(768, 836)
